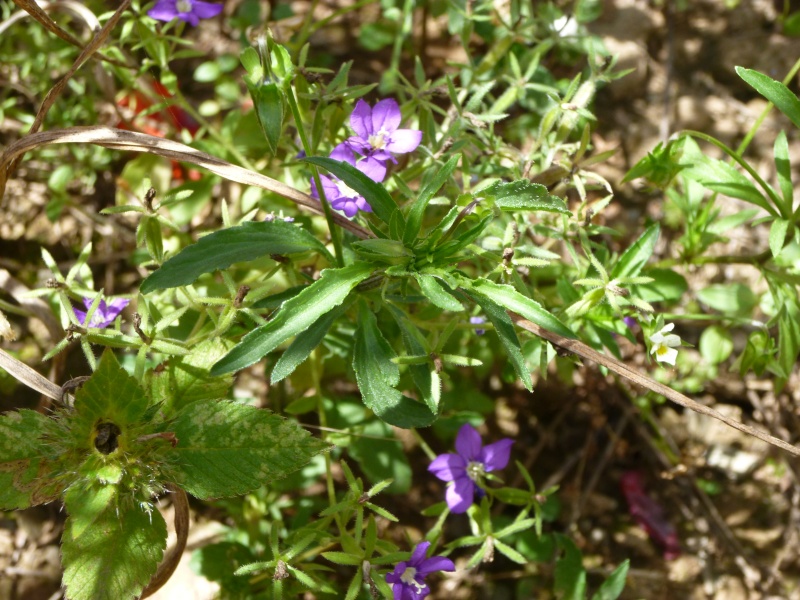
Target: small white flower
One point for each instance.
(664, 344)
(6, 332)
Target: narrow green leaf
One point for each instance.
(417, 210)
(228, 449)
(221, 249)
(114, 554)
(510, 552)
(504, 328)
(427, 380)
(26, 461)
(374, 193)
(377, 375)
(303, 345)
(342, 558)
(525, 195)
(570, 576)
(392, 252)
(789, 335)
(632, 261)
(774, 91)
(437, 293)
(777, 236)
(783, 168)
(268, 102)
(510, 299)
(613, 586)
(295, 316)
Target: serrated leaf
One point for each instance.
(268, 102)
(227, 449)
(303, 345)
(221, 249)
(187, 379)
(374, 193)
(295, 316)
(377, 375)
(437, 293)
(114, 556)
(26, 461)
(417, 210)
(632, 261)
(510, 299)
(774, 91)
(504, 328)
(525, 195)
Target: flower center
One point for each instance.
(345, 190)
(378, 141)
(476, 470)
(662, 350)
(408, 577)
(184, 6)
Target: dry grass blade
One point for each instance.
(120, 139)
(620, 368)
(23, 373)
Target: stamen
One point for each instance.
(184, 6)
(475, 470)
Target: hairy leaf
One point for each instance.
(524, 195)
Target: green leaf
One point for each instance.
(437, 293)
(111, 546)
(221, 249)
(570, 576)
(525, 195)
(427, 380)
(342, 558)
(186, 379)
(788, 335)
(377, 375)
(632, 261)
(227, 449)
(783, 168)
(374, 193)
(774, 91)
(508, 551)
(777, 236)
(716, 344)
(667, 286)
(26, 460)
(510, 299)
(295, 316)
(613, 586)
(417, 210)
(391, 252)
(381, 456)
(730, 299)
(303, 345)
(504, 328)
(268, 102)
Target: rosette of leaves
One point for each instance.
(110, 453)
(405, 263)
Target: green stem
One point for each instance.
(423, 444)
(728, 259)
(326, 207)
(742, 163)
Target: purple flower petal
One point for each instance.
(404, 140)
(468, 442)
(190, 18)
(448, 467)
(205, 10)
(81, 315)
(419, 554)
(164, 10)
(386, 116)
(344, 153)
(372, 168)
(460, 495)
(495, 456)
(363, 205)
(435, 563)
(361, 120)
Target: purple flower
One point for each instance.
(466, 468)
(408, 577)
(105, 313)
(478, 321)
(341, 196)
(190, 11)
(377, 135)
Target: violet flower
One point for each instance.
(105, 313)
(377, 135)
(408, 577)
(478, 321)
(467, 468)
(341, 196)
(190, 11)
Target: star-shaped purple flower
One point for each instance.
(105, 313)
(408, 577)
(377, 135)
(466, 468)
(341, 196)
(190, 11)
